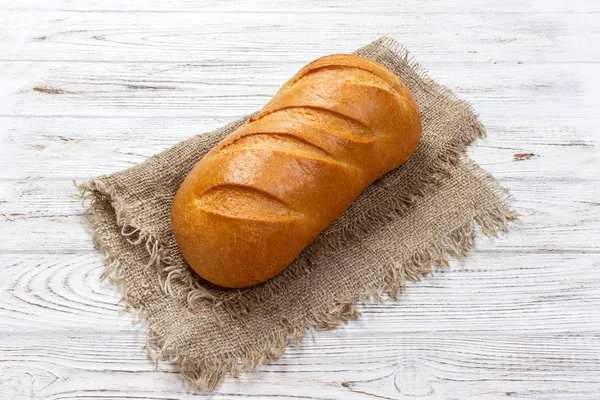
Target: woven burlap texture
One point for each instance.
(408, 221)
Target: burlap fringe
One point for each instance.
(394, 205)
(177, 280)
(332, 239)
(208, 372)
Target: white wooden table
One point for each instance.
(92, 87)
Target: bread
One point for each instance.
(255, 201)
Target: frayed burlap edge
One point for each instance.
(166, 272)
(208, 372)
(177, 280)
(174, 279)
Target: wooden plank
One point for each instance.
(486, 293)
(389, 367)
(289, 6)
(496, 323)
(248, 37)
(38, 213)
(557, 215)
(74, 147)
(225, 92)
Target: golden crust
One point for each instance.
(254, 202)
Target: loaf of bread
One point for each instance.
(255, 201)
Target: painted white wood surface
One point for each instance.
(91, 87)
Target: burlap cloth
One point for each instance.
(408, 221)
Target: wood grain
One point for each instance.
(157, 90)
(246, 37)
(91, 87)
(39, 216)
(493, 321)
(487, 293)
(421, 365)
(39, 212)
(108, 145)
(339, 7)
